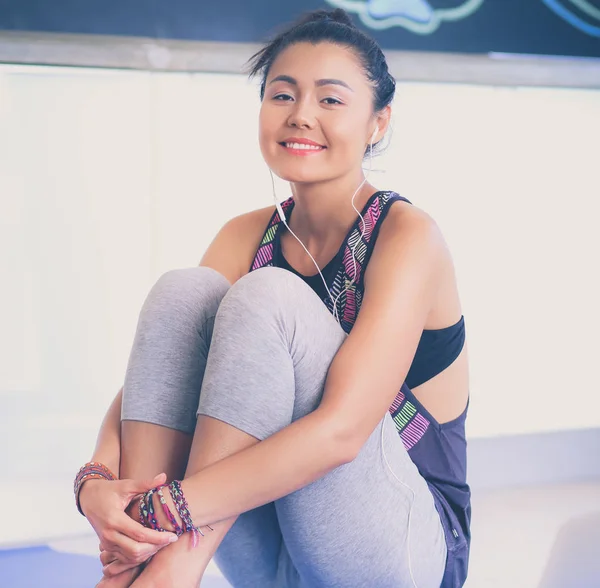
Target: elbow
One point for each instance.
(340, 437)
(347, 445)
(349, 456)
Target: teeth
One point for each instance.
(302, 146)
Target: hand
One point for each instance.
(177, 566)
(113, 569)
(124, 580)
(104, 503)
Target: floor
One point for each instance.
(532, 537)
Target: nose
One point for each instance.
(301, 116)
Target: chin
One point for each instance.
(296, 177)
(295, 174)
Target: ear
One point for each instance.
(382, 120)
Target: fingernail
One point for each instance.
(173, 538)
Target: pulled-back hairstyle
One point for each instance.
(333, 26)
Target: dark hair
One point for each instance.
(334, 26)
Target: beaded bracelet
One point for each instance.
(148, 518)
(181, 506)
(177, 529)
(92, 470)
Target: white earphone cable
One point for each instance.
(336, 316)
(387, 463)
(284, 220)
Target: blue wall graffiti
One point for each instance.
(421, 17)
(417, 16)
(549, 27)
(573, 19)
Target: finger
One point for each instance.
(117, 544)
(134, 487)
(124, 550)
(142, 557)
(116, 568)
(107, 557)
(137, 532)
(124, 531)
(124, 579)
(128, 551)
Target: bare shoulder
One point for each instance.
(411, 246)
(233, 248)
(407, 229)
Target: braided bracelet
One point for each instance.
(148, 519)
(150, 515)
(183, 510)
(92, 470)
(177, 529)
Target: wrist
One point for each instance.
(156, 507)
(167, 514)
(90, 471)
(86, 489)
(165, 508)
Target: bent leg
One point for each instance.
(166, 365)
(272, 346)
(162, 388)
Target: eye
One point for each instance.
(284, 98)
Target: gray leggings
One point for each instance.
(271, 341)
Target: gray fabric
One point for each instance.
(167, 361)
(258, 366)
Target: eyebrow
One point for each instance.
(318, 83)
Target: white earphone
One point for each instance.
(335, 314)
(283, 219)
(374, 135)
(282, 214)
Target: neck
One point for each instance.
(323, 212)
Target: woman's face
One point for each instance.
(318, 93)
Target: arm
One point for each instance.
(108, 447)
(401, 284)
(230, 253)
(108, 444)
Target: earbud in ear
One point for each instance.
(374, 134)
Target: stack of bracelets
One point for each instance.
(147, 516)
(90, 471)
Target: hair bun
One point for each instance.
(337, 15)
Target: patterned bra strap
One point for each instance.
(356, 255)
(264, 254)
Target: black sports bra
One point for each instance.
(437, 349)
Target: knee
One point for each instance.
(187, 287)
(270, 287)
(190, 281)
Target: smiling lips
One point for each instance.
(297, 146)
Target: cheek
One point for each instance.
(267, 126)
(264, 133)
(345, 132)
(348, 144)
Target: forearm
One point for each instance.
(290, 459)
(108, 444)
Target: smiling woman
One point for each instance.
(311, 426)
(323, 112)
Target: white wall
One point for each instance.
(109, 178)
